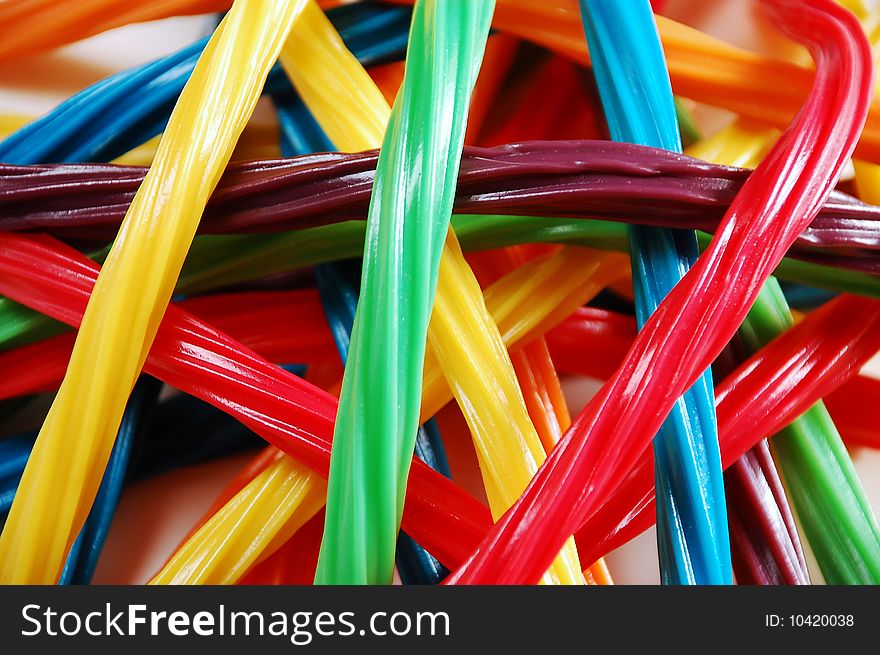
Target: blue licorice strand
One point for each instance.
(337, 287)
(630, 71)
(14, 451)
(805, 297)
(83, 556)
(374, 32)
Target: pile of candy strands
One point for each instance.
(457, 207)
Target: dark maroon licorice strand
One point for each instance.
(579, 179)
(765, 545)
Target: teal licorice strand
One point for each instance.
(828, 497)
(692, 534)
(409, 215)
(219, 260)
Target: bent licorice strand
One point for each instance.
(812, 433)
(831, 504)
(692, 535)
(376, 427)
(805, 162)
(822, 488)
(138, 280)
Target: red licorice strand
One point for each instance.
(541, 107)
(197, 359)
(780, 198)
(36, 367)
(285, 327)
(497, 60)
(295, 562)
(257, 465)
(855, 409)
(591, 342)
(768, 391)
(804, 365)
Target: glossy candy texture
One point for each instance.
(701, 68)
(773, 206)
(692, 538)
(339, 297)
(765, 545)
(586, 179)
(336, 286)
(136, 284)
(837, 358)
(803, 371)
(831, 504)
(282, 408)
(312, 50)
(812, 433)
(417, 169)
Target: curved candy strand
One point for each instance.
(805, 162)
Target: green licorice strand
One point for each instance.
(410, 209)
(217, 261)
(690, 132)
(828, 497)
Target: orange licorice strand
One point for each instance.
(500, 52)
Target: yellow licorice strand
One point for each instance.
(338, 91)
(477, 367)
(529, 301)
(250, 527)
(134, 288)
(867, 181)
(10, 123)
(741, 143)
